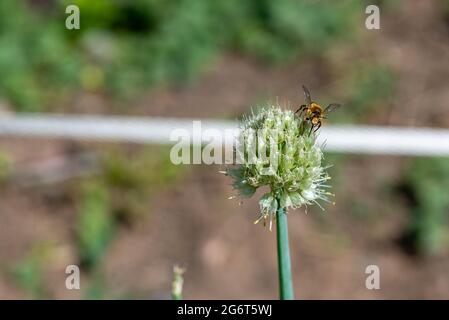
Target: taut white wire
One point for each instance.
(347, 139)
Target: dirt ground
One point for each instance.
(194, 224)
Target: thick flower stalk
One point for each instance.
(277, 149)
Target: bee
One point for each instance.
(314, 113)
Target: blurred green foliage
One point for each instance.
(133, 180)
(279, 30)
(28, 274)
(6, 166)
(427, 179)
(370, 89)
(97, 288)
(121, 194)
(35, 57)
(95, 225)
(125, 46)
(444, 9)
(118, 196)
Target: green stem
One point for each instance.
(176, 296)
(177, 283)
(285, 272)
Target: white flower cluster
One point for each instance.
(277, 149)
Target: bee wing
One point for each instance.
(307, 95)
(332, 107)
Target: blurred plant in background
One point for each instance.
(126, 46)
(426, 182)
(95, 225)
(132, 183)
(29, 272)
(120, 195)
(370, 90)
(6, 166)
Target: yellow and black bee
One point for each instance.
(314, 113)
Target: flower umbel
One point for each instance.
(277, 149)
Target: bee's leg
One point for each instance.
(301, 108)
(318, 126)
(311, 129)
(303, 125)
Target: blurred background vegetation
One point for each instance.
(125, 48)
